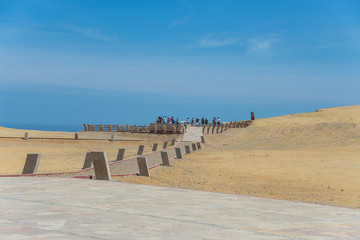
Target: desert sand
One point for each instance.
(60, 152)
(311, 157)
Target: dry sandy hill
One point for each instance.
(324, 128)
(311, 157)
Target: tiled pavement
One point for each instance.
(66, 208)
(192, 134)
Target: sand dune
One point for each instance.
(311, 157)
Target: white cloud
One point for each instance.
(181, 21)
(211, 40)
(261, 45)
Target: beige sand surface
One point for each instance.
(61, 155)
(312, 157)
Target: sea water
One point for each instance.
(44, 127)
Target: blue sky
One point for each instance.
(70, 62)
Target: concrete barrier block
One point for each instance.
(172, 142)
(26, 136)
(193, 146)
(31, 163)
(187, 149)
(88, 161)
(178, 153)
(198, 145)
(112, 137)
(101, 166)
(165, 145)
(140, 150)
(154, 147)
(165, 159)
(143, 166)
(120, 155)
(202, 139)
(76, 136)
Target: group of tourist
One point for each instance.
(168, 120)
(203, 121)
(193, 122)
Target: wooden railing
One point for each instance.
(212, 129)
(164, 128)
(153, 128)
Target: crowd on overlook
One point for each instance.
(193, 122)
(169, 120)
(203, 121)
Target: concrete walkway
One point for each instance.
(64, 208)
(192, 134)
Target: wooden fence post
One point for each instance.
(140, 150)
(193, 146)
(31, 164)
(178, 153)
(165, 159)
(101, 166)
(143, 166)
(120, 155)
(154, 147)
(88, 161)
(187, 149)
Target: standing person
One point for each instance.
(206, 121)
(218, 120)
(214, 121)
(202, 121)
(192, 121)
(197, 121)
(188, 121)
(177, 121)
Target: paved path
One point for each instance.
(192, 134)
(55, 208)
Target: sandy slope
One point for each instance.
(311, 157)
